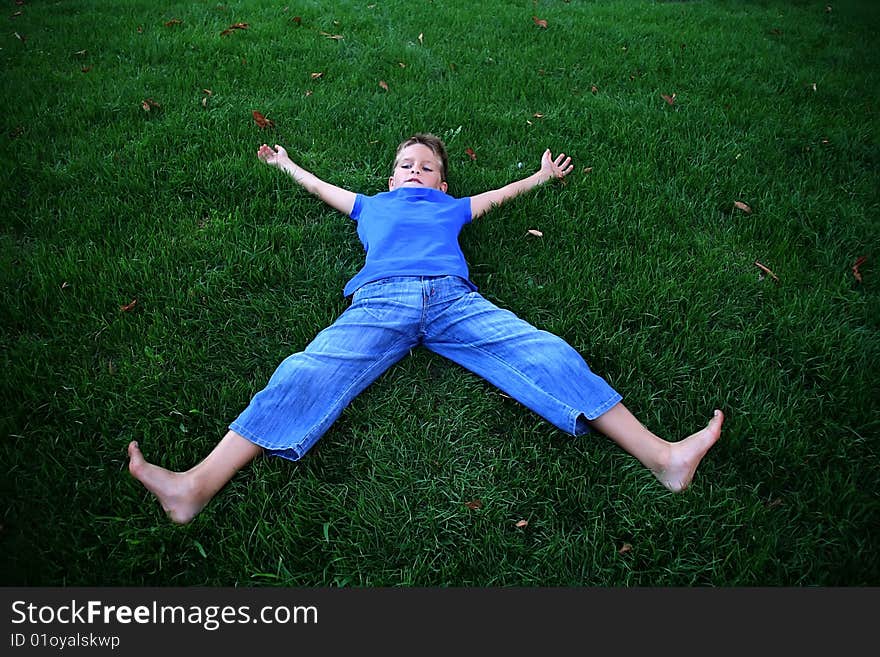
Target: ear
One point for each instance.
(444, 187)
(390, 183)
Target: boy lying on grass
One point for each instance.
(414, 290)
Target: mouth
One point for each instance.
(415, 180)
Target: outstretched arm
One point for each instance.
(551, 168)
(341, 199)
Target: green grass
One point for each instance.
(645, 267)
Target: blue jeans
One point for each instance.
(389, 317)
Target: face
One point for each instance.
(417, 166)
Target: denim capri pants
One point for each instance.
(389, 317)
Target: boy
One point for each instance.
(414, 290)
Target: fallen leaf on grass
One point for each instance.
(16, 14)
(474, 504)
(855, 268)
(297, 19)
(335, 37)
(538, 115)
(522, 523)
(262, 121)
(65, 285)
(742, 206)
(128, 306)
(19, 37)
(669, 99)
(173, 22)
(421, 39)
(540, 22)
(766, 271)
(236, 26)
(471, 154)
(588, 169)
(81, 53)
(149, 104)
(626, 547)
(383, 84)
(536, 233)
(207, 92)
(86, 69)
(594, 89)
(317, 76)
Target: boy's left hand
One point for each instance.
(559, 167)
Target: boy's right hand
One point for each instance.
(276, 157)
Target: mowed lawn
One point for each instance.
(715, 247)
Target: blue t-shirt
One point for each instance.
(410, 231)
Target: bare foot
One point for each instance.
(685, 455)
(174, 490)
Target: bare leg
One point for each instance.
(673, 464)
(184, 494)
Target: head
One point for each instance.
(421, 161)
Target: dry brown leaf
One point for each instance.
(128, 306)
(65, 285)
(588, 169)
(421, 39)
(474, 504)
(401, 64)
(204, 101)
(522, 523)
(594, 89)
(855, 268)
(540, 22)
(626, 547)
(81, 53)
(766, 271)
(536, 233)
(173, 22)
(471, 154)
(316, 76)
(739, 205)
(140, 29)
(150, 104)
(383, 84)
(538, 115)
(669, 99)
(335, 37)
(309, 92)
(235, 26)
(297, 19)
(262, 121)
